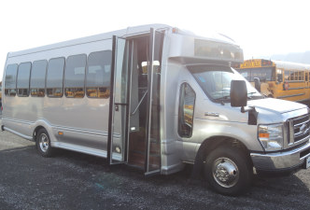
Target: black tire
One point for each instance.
(228, 170)
(43, 143)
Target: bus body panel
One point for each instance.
(163, 132)
(85, 122)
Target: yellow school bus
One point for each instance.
(278, 79)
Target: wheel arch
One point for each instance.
(43, 124)
(36, 130)
(211, 144)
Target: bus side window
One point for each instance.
(296, 75)
(10, 80)
(54, 77)
(286, 75)
(98, 74)
(37, 81)
(75, 76)
(23, 78)
(186, 110)
(301, 75)
(279, 76)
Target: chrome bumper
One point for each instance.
(281, 160)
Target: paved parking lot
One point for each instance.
(77, 181)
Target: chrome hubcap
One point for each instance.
(44, 142)
(225, 172)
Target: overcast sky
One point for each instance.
(261, 28)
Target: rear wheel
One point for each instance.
(228, 170)
(43, 143)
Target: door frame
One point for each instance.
(152, 45)
(114, 106)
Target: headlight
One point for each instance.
(271, 136)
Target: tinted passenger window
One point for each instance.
(23, 78)
(98, 74)
(186, 110)
(75, 76)
(54, 77)
(10, 80)
(37, 81)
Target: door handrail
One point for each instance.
(140, 102)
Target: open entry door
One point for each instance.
(153, 157)
(134, 122)
(117, 139)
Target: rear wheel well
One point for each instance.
(211, 144)
(35, 132)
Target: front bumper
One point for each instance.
(281, 161)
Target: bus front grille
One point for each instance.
(300, 129)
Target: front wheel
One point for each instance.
(228, 171)
(43, 143)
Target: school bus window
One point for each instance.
(279, 75)
(291, 75)
(300, 77)
(10, 80)
(264, 74)
(37, 81)
(98, 74)
(54, 77)
(23, 77)
(286, 75)
(75, 76)
(245, 74)
(296, 75)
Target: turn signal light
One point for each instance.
(264, 135)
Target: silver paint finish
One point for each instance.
(84, 122)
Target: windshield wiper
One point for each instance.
(222, 99)
(251, 95)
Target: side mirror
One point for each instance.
(238, 93)
(257, 84)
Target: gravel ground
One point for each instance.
(72, 180)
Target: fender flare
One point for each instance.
(207, 146)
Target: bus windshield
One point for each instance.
(215, 82)
(264, 74)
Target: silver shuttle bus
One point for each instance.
(157, 98)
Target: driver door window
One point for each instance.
(186, 110)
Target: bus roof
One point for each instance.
(121, 33)
(291, 66)
(285, 65)
(130, 31)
